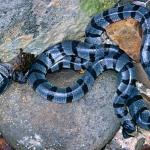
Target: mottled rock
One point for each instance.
(127, 34)
(34, 24)
(141, 75)
(143, 83)
(140, 144)
(133, 143)
(30, 122)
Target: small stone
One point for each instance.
(119, 143)
(127, 34)
(143, 83)
(37, 24)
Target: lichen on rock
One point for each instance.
(92, 7)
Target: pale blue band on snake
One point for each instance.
(97, 58)
(5, 76)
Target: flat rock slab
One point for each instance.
(30, 122)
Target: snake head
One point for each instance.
(23, 61)
(128, 128)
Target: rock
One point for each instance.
(30, 122)
(34, 24)
(133, 143)
(141, 75)
(125, 31)
(146, 147)
(143, 83)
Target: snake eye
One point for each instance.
(22, 56)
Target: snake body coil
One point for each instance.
(92, 56)
(5, 76)
(133, 100)
(96, 58)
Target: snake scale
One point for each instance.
(95, 58)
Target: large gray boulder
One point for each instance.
(30, 122)
(35, 24)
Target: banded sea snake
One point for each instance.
(92, 56)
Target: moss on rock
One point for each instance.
(92, 7)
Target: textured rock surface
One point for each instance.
(28, 121)
(127, 31)
(35, 24)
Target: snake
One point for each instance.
(5, 76)
(95, 58)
